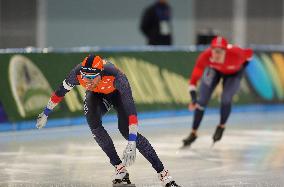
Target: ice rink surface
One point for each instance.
(251, 153)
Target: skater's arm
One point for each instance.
(68, 83)
(200, 65)
(196, 74)
(248, 53)
(243, 54)
(124, 89)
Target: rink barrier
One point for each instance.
(87, 49)
(155, 74)
(30, 124)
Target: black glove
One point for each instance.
(193, 95)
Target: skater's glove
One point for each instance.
(42, 118)
(129, 153)
(193, 94)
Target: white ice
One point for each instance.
(251, 153)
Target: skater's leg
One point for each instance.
(209, 81)
(126, 110)
(146, 149)
(143, 145)
(231, 84)
(95, 108)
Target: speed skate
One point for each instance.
(123, 184)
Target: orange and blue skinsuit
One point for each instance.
(112, 91)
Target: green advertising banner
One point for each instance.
(159, 81)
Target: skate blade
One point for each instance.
(213, 143)
(183, 147)
(123, 185)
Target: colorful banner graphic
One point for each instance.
(266, 76)
(159, 81)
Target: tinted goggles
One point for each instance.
(89, 75)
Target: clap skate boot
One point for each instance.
(218, 133)
(189, 140)
(166, 179)
(121, 177)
